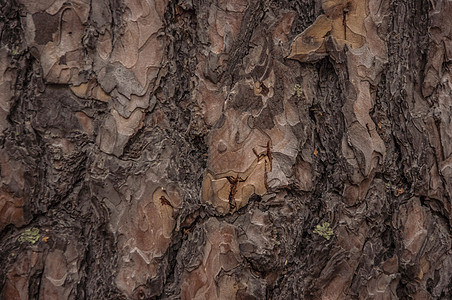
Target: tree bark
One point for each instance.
(225, 149)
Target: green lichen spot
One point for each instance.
(30, 235)
(298, 90)
(324, 230)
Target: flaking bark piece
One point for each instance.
(343, 21)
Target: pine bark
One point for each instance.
(225, 149)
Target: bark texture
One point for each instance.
(225, 149)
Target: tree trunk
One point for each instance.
(225, 149)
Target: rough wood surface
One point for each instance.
(225, 149)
